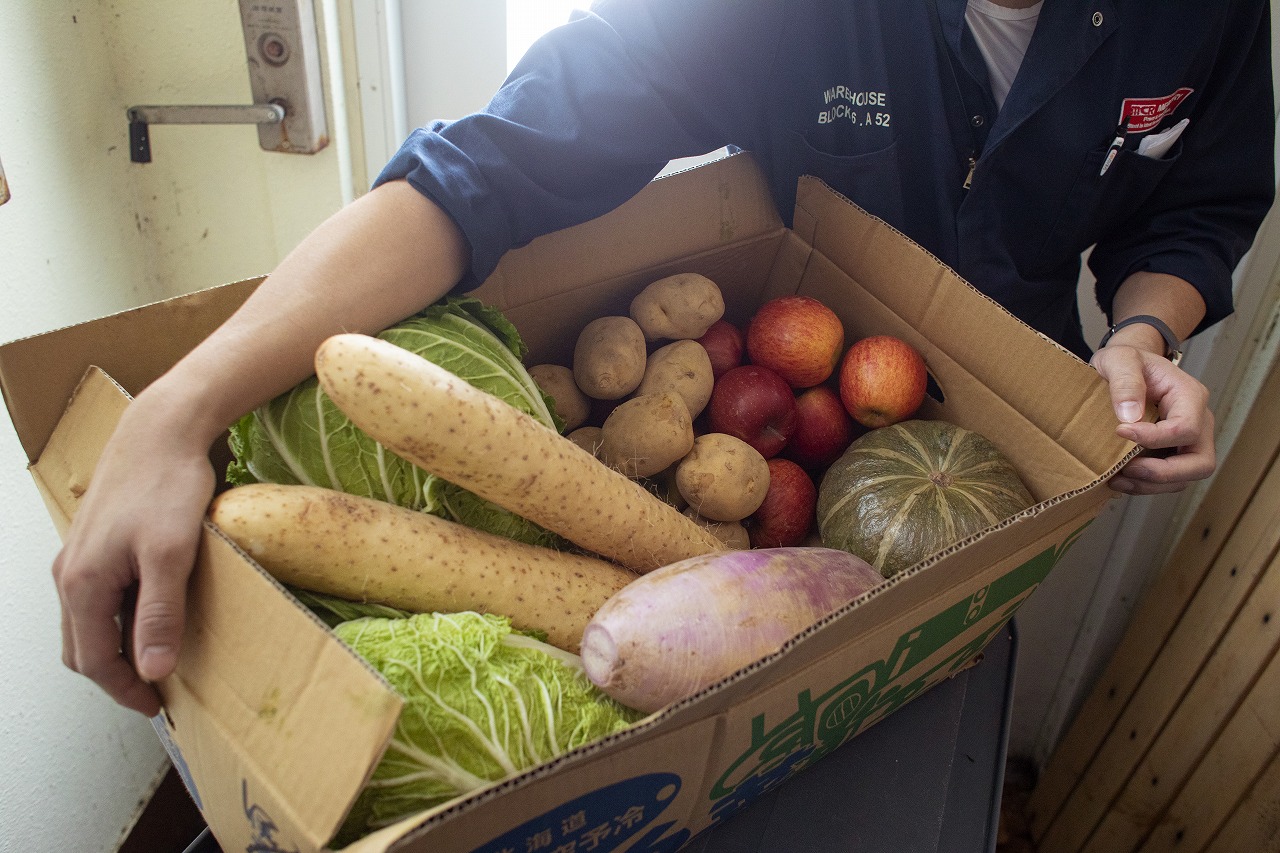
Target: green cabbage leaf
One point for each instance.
(302, 437)
(481, 703)
(332, 610)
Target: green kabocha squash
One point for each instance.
(902, 493)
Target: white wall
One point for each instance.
(87, 233)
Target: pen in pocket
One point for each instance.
(1116, 145)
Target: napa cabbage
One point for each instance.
(303, 437)
(482, 703)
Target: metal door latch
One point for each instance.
(284, 76)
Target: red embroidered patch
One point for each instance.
(1145, 113)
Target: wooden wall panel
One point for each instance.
(1255, 824)
(1228, 773)
(1156, 616)
(1182, 697)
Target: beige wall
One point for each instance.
(86, 233)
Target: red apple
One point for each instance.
(823, 428)
(798, 337)
(789, 509)
(725, 344)
(882, 380)
(754, 404)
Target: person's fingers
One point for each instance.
(92, 638)
(1163, 434)
(1184, 423)
(1160, 473)
(1122, 367)
(130, 549)
(158, 614)
(68, 635)
(1184, 418)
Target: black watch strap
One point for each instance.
(1172, 345)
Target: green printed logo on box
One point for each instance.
(920, 658)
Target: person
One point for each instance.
(1005, 136)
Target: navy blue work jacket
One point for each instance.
(888, 102)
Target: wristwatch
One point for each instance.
(1173, 350)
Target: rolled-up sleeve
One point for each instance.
(590, 115)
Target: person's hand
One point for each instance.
(373, 263)
(136, 531)
(1179, 443)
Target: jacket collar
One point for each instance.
(1067, 35)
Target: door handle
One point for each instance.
(140, 117)
(284, 78)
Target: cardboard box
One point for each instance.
(275, 747)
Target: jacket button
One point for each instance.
(1097, 19)
(976, 120)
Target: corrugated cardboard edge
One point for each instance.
(734, 212)
(87, 420)
(39, 373)
(1077, 416)
(258, 699)
(270, 721)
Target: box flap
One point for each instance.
(677, 216)
(63, 471)
(279, 722)
(38, 374)
(717, 219)
(956, 327)
(261, 686)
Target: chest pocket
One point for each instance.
(1098, 205)
(871, 180)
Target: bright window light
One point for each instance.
(529, 19)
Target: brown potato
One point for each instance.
(732, 533)
(678, 307)
(723, 478)
(683, 367)
(646, 434)
(609, 357)
(663, 484)
(557, 382)
(588, 438)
